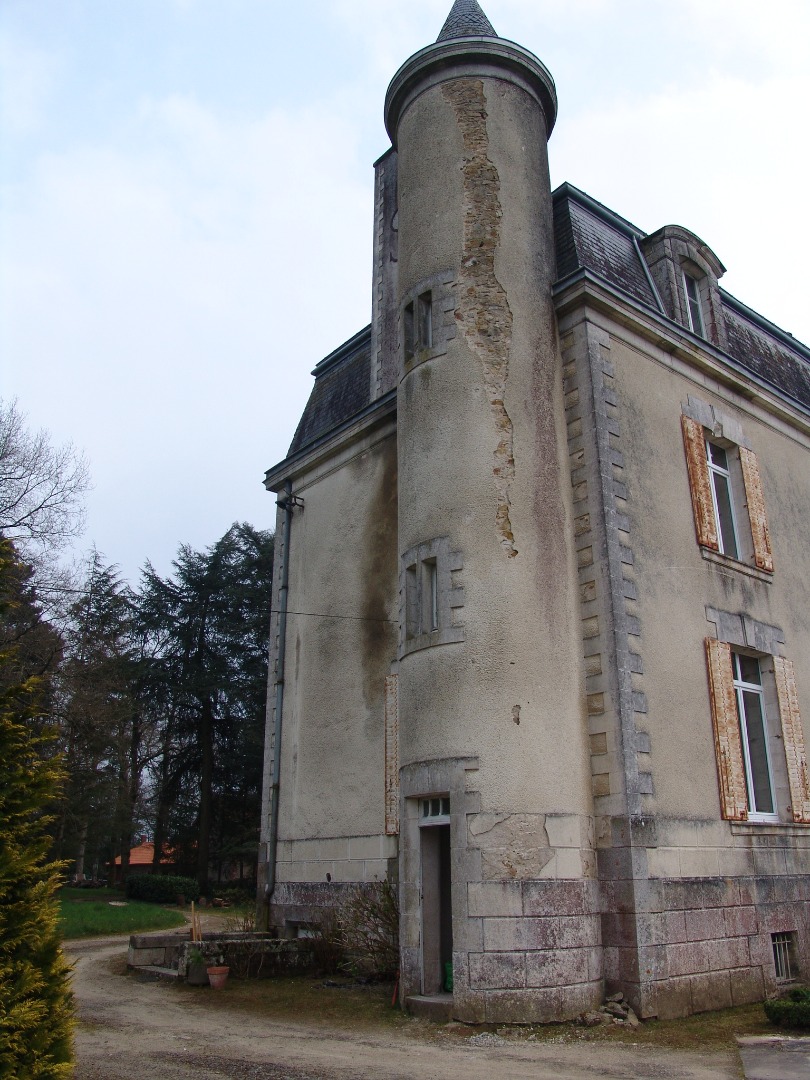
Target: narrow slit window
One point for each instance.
(411, 603)
(408, 332)
(693, 309)
(432, 590)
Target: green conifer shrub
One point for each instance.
(791, 1011)
(36, 1009)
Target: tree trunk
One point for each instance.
(206, 786)
(79, 871)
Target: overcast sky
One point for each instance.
(187, 207)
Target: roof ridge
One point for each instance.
(466, 19)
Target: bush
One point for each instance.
(161, 888)
(361, 935)
(790, 1011)
(36, 1007)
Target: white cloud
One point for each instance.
(28, 78)
(192, 282)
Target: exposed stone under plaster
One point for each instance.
(483, 307)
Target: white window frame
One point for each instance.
(434, 810)
(741, 687)
(718, 471)
(694, 307)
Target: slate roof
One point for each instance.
(588, 236)
(466, 19)
(342, 389)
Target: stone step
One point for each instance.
(152, 971)
(435, 1007)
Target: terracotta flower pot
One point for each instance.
(218, 976)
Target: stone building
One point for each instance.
(541, 638)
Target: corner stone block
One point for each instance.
(497, 971)
(504, 935)
(747, 986)
(704, 925)
(672, 999)
(528, 1006)
(711, 991)
(469, 1007)
(688, 958)
(555, 897)
(494, 898)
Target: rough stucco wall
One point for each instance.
(343, 562)
(479, 453)
(675, 583)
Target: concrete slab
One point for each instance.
(775, 1057)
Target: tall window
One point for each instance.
(754, 736)
(722, 500)
(693, 309)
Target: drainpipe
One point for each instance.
(287, 503)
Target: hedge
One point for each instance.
(791, 1011)
(161, 889)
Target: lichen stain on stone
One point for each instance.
(483, 311)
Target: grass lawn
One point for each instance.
(357, 1007)
(90, 913)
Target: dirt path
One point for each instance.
(133, 1030)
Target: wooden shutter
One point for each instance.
(391, 755)
(793, 738)
(697, 466)
(756, 510)
(727, 744)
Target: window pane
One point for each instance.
(757, 752)
(693, 303)
(722, 491)
(749, 669)
(425, 321)
(717, 456)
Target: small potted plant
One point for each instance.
(217, 972)
(196, 974)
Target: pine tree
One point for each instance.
(35, 1001)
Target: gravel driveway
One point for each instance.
(132, 1029)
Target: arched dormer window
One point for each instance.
(686, 272)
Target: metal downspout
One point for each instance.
(286, 505)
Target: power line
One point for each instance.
(323, 615)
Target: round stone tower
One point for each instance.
(492, 738)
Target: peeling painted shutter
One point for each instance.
(694, 442)
(756, 510)
(391, 756)
(727, 744)
(793, 738)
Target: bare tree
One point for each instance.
(42, 487)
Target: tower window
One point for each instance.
(417, 321)
(693, 309)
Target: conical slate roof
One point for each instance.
(466, 20)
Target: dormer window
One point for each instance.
(693, 309)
